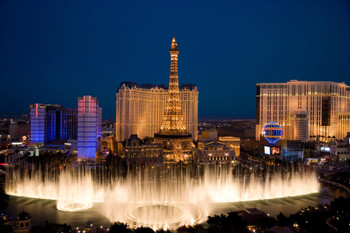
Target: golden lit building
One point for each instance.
(137, 150)
(305, 110)
(173, 134)
(344, 124)
(232, 142)
(140, 109)
(215, 152)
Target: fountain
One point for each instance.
(158, 197)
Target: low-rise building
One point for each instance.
(215, 151)
(137, 150)
(232, 142)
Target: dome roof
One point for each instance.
(23, 216)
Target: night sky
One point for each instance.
(55, 51)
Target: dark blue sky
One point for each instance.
(55, 51)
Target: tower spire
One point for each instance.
(175, 140)
(172, 122)
(174, 45)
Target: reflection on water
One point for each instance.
(42, 210)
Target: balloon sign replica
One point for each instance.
(272, 132)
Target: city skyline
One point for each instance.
(174, 116)
(64, 52)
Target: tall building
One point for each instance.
(140, 108)
(51, 123)
(37, 123)
(69, 123)
(89, 127)
(305, 110)
(173, 135)
(173, 119)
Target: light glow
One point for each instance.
(158, 197)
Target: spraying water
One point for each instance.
(157, 197)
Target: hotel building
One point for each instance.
(51, 123)
(158, 110)
(140, 109)
(89, 127)
(305, 110)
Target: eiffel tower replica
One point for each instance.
(176, 141)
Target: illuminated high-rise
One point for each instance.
(305, 110)
(140, 109)
(37, 123)
(89, 127)
(51, 123)
(173, 119)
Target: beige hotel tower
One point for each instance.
(305, 110)
(140, 108)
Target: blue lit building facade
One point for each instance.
(37, 123)
(50, 123)
(69, 124)
(89, 127)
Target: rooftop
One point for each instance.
(160, 86)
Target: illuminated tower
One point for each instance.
(37, 124)
(172, 121)
(176, 141)
(89, 127)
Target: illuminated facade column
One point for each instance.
(300, 121)
(344, 125)
(89, 127)
(189, 108)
